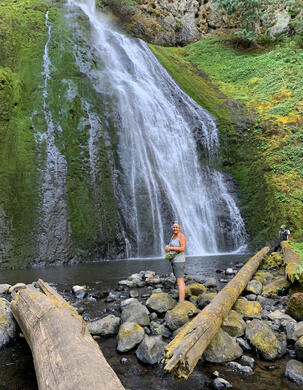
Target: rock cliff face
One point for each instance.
(57, 201)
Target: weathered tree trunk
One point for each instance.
(184, 351)
(66, 357)
(291, 259)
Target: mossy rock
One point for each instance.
(279, 286)
(180, 314)
(262, 276)
(295, 306)
(130, 334)
(161, 302)
(234, 324)
(204, 299)
(275, 260)
(246, 308)
(194, 289)
(223, 348)
(263, 339)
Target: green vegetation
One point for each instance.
(256, 95)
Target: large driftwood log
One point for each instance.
(292, 260)
(65, 355)
(184, 351)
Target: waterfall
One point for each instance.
(161, 177)
(54, 237)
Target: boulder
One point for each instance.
(8, 325)
(247, 361)
(249, 309)
(130, 334)
(210, 282)
(294, 330)
(107, 326)
(278, 315)
(263, 339)
(4, 288)
(204, 299)
(134, 311)
(234, 324)
(194, 289)
(295, 306)
(223, 348)
(180, 314)
(151, 350)
(277, 287)
(161, 302)
(294, 371)
(281, 23)
(254, 286)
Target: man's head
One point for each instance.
(283, 227)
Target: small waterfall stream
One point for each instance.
(161, 177)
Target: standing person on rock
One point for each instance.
(177, 247)
(284, 234)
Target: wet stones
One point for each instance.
(180, 314)
(151, 350)
(254, 287)
(263, 339)
(223, 348)
(130, 334)
(204, 299)
(234, 324)
(107, 326)
(194, 289)
(249, 309)
(161, 302)
(295, 306)
(294, 371)
(8, 326)
(134, 311)
(244, 370)
(79, 291)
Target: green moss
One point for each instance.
(263, 342)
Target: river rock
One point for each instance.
(8, 326)
(295, 306)
(294, 371)
(151, 350)
(251, 297)
(243, 344)
(262, 276)
(107, 326)
(248, 361)
(279, 315)
(244, 370)
(277, 287)
(254, 286)
(234, 324)
(204, 299)
(160, 329)
(222, 349)
(4, 288)
(299, 348)
(130, 334)
(229, 271)
(294, 330)
(112, 296)
(79, 291)
(247, 308)
(134, 311)
(16, 287)
(168, 281)
(263, 339)
(180, 314)
(221, 383)
(195, 289)
(210, 282)
(133, 293)
(161, 302)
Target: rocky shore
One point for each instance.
(142, 313)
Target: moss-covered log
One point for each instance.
(184, 351)
(291, 260)
(66, 357)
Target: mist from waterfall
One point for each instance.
(161, 177)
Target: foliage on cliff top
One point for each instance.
(265, 156)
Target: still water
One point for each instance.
(16, 367)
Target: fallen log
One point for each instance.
(184, 351)
(65, 355)
(291, 260)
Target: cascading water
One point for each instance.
(54, 237)
(161, 178)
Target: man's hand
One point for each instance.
(167, 248)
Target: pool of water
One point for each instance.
(16, 366)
